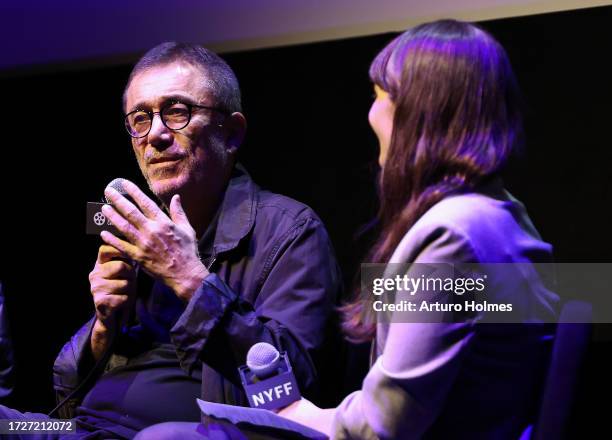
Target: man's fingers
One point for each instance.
(108, 253)
(125, 207)
(128, 229)
(106, 304)
(117, 270)
(177, 213)
(111, 286)
(148, 206)
(123, 246)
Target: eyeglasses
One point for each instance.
(175, 115)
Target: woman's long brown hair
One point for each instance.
(456, 121)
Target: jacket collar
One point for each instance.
(238, 211)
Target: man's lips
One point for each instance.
(163, 160)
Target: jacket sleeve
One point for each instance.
(299, 285)
(6, 353)
(406, 387)
(73, 363)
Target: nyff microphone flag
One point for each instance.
(268, 379)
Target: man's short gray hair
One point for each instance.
(222, 80)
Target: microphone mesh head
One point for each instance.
(117, 184)
(262, 358)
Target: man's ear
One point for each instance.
(235, 124)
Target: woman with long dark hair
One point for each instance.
(447, 118)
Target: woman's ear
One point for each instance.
(235, 125)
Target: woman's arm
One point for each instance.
(405, 389)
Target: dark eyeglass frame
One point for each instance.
(151, 114)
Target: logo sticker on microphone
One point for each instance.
(99, 218)
(97, 222)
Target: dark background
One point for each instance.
(62, 141)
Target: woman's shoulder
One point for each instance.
(474, 227)
(465, 212)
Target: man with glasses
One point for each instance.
(189, 287)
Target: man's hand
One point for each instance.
(113, 287)
(166, 247)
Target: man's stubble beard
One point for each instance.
(197, 180)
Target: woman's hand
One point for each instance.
(307, 413)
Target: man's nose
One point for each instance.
(160, 136)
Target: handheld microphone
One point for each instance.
(268, 379)
(117, 185)
(97, 222)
